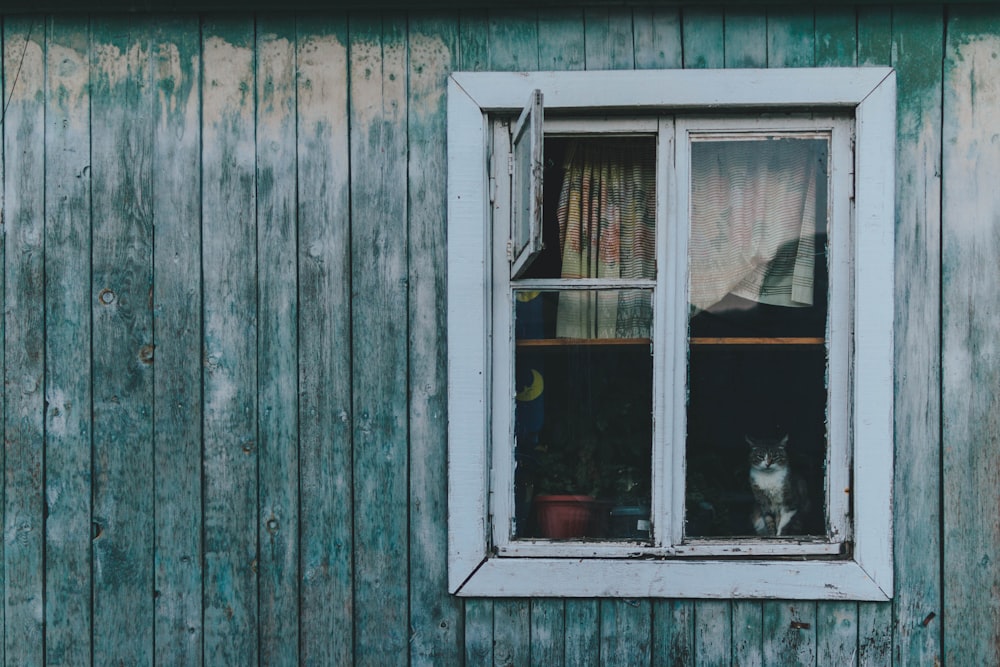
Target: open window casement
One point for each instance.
(525, 162)
(685, 324)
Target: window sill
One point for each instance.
(710, 579)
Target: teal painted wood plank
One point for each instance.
(177, 301)
(703, 31)
(713, 632)
(746, 38)
(122, 280)
(548, 633)
(326, 614)
(229, 247)
(874, 35)
(379, 343)
(435, 616)
(478, 642)
(791, 38)
(513, 40)
(748, 633)
(657, 37)
(875, 632)
(277, 348)
(673, 633)
(582, 639)
(626, 631)
(837, 633)
(473, 45)
(24, 348)
(561, 40)
(836, 37)
(970, 273)
(609, 42)
(67, 344)
(511, 633)
(789, 633)
(3, 384)
(917, 56)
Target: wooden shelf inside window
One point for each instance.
(817, 341)
(805, 341)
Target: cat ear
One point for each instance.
(784, 441)
(749, 440)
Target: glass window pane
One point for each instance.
(599, 208)
(757, 439)
(583, 424)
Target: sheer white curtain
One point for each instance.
(753, 221)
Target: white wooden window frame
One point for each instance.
(476, 565)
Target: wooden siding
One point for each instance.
(224, 397)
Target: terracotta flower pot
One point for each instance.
(562, 517)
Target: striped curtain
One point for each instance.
(753, 221)
(607, 229)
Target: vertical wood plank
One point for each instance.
(608, 41)
(713, 632)
(379, 343)
(513, 40)
(478, 639)
(970, 368)
(177, 312)
(511, 633)
(791, 37)
(229, 247)
(657, 36)
(626, 630)
(836, 37)
(748, 633)
(67, 344)
(583, 635)
(122, 279)
(746, 38)
(435, 616)
(875, 633)
(917, 50)
(277, 349)
(874, 35)
(548, 633)
(789, 633)
(24, 349)
(561, 41)
(673, 633)
(473, 41)
(326, 614)
(837, 633)
(703, 31)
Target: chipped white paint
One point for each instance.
(863, 410)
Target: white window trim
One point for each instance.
(473, 567)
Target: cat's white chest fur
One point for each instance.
(769, 480)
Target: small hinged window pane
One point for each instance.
(526, 227)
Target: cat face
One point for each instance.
(768, 453)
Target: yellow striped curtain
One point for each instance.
(607, 229)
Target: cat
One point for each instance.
(781, 499)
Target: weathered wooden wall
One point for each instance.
(224, 363)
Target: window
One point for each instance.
(655, 277)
